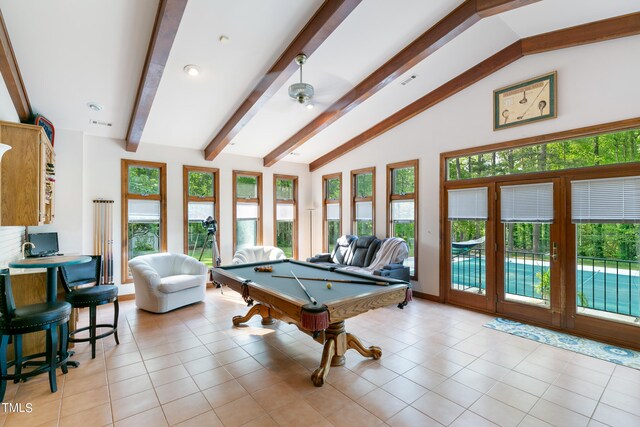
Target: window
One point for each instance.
(201, 193)
(144, 205)
(363, 200)
(594, 150)
(331, 209)
(247, 215)
(402, 202)
(285, 215)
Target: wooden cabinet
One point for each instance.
(28, 176)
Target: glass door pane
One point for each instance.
(527, 271)
(468, 261)
(529, 247)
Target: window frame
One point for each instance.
(293, 202)
(410, 196)
(325, 228)
(355, 199)
(258, 201)
(187, 198)
(125, 164)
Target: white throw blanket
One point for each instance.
(393, 250)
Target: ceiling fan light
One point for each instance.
(301, 92)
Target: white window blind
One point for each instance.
(333, 211)
(527, 203)
(364, 211)
(144, 211)
(284, 212)
(606, 200)
(402, 210)
(468, 203)
(246, 211)
(200, 210)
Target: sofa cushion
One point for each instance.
(362, 251)
(179, 282)
(341, 251)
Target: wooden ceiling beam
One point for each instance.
(164, 33)
(11, 75)
(448, 28)
(324, 22)
(608, 29)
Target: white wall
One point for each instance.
(597, 83)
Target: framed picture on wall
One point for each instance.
(525, 102)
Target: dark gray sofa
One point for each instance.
(354, 251)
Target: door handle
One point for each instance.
(554, 253)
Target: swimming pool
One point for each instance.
(597, 288)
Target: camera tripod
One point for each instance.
(215, 256)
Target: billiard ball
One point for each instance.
(328, 285)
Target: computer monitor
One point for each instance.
(46, 244)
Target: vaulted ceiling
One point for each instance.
(73, 53)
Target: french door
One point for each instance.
(561, 250)
(529, 250)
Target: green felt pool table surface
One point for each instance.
(318, 289)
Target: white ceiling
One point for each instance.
(71, 53)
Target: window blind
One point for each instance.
(284, 212)
(246, 211)
(614, 200)
(468, 203)
(144, 211)
(402, 210)
(364, 211)
(198, 211)
(527, 203)
(333, 211)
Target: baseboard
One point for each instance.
(127, 297)
(422, 295)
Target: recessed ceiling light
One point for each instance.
(192, 70)
(309, 106)
(94, 106)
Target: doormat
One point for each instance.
(610, 353)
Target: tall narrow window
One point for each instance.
(402, 202)
(285, 216)
(200, 189)
(331, 209)
(144, 210)
(247, 215)
(363, 200)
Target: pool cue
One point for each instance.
(313, 300)
(360, 282)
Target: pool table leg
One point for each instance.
(260, 309)
(337, 342)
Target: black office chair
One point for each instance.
(76, 275)
(16, 321)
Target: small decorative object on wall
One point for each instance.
(46, 124)
(525, 102)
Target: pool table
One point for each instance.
(339, 295)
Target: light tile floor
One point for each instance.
(191, 367)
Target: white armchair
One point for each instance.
(165, 281)
(257, 254)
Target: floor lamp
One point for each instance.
(311, 230)
(3, 149)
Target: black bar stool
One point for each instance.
(75, 275)
(16, 321)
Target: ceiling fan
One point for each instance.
(301, 92)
